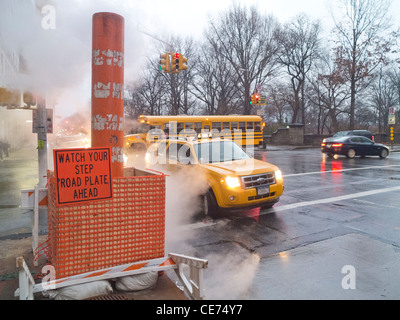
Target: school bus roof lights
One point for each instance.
(204, 135)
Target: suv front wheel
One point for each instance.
(209, 205)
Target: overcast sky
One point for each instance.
(66, 62)
(189, 17)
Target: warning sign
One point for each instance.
(82, 175)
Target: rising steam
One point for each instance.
(57, 62)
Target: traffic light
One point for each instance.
(165, 64)
(182, 61)
(29, 99)
(175, 63)
(255, 99)
(10, 98)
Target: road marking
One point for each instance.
(277, 209)
(340, 170)
(330, 200)
(376, 204)
(200, 225)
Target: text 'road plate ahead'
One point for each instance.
(82, 175)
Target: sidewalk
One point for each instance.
(10, 249)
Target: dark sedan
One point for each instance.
(354, 146)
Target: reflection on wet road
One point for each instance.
(328, 207)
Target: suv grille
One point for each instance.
(258, 180)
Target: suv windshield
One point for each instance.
(219, 151)
(341, 134)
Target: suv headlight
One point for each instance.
(233, 182)
(278, 175)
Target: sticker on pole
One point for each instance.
(82, 175)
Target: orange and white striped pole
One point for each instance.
(108, 86)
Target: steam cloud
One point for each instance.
(232, 268)
(57, 62)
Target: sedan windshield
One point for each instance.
(219, 151)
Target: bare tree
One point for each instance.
(360, 26)
(278, 103)
(145, 96)
(215, 82)
(177, 94)
(328, 92)
(298, 48)
(383, 96)
(156, 93)
(247, 40)
(394, 76)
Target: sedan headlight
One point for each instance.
(278, 175)
(232, 182)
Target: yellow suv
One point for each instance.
(235, 179)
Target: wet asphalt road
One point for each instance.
(333, 213)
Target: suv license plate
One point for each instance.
(262, 190)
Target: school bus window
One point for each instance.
(179, 127)
(197, 127)
(257, 126)
(242, 126)
(225, 125)
(250, 126)
(169, 126)
(172, 152)
(216, 125)
(234, 125)
(185, 154)
(160, 150)
(206, 128)
(188, 126)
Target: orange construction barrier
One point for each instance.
(129, 227)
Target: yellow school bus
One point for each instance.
(244, 130)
